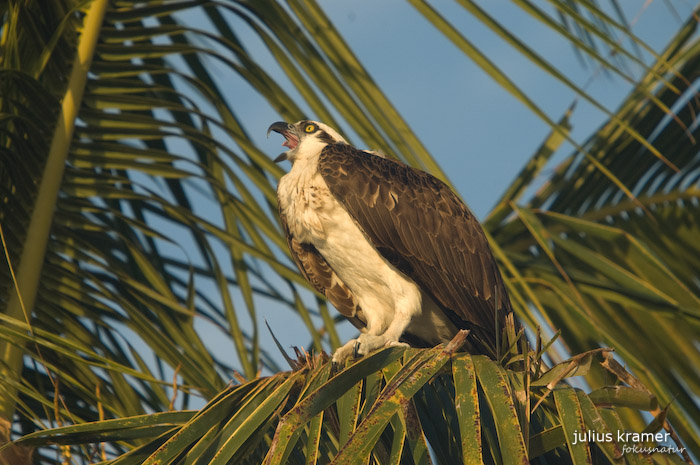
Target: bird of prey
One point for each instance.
(390, 246)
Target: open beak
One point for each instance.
(291, 139)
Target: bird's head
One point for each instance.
(304, 138)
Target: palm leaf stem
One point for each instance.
(34, 249)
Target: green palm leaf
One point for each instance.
(297, 417)
(137, 212)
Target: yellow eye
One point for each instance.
(310, 128)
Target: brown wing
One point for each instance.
(421, 227)
(319, 273)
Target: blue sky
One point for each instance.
(479, 133)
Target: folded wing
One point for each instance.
(422, 228)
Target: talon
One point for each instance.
(356, 349)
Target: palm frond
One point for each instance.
(163, 223)
(370, 412)
(605, 268)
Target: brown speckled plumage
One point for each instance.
(423, 229)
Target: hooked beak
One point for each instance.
(291, 139)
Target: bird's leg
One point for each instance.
(351, 349)
(377, 335)
(357, 347)
(345, 352)
(367, 342)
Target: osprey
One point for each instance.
(390, 246)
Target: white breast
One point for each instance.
(314, 216)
